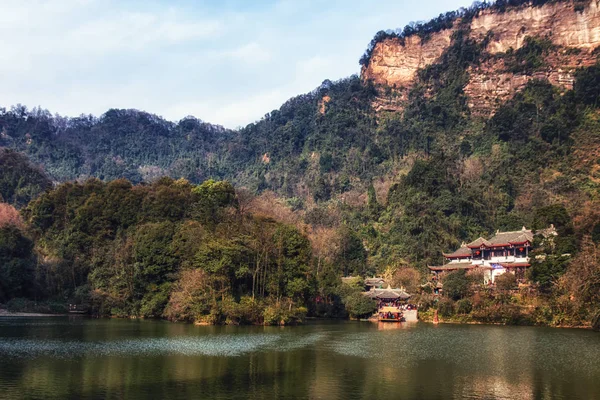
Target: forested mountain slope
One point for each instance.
(381, 171)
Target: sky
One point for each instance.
(227, 62)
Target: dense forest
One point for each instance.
(191, 221)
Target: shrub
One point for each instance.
(503, 313)
(425, 301)
(446, 308)
(464, 306)
(529, 57)
(283, 314)
(506, 281)
(247, 311)
(154, 302)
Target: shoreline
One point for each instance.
(10, 314)
(586, 327)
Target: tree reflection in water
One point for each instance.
(62, 358)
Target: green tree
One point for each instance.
(359, 306)
(17, 264)
(456, 285)
(212, 198)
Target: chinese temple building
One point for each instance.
(504, 252)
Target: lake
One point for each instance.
(64, 358)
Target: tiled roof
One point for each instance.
(374, 281)
(462, 252)
(388, 293)
(478, 243)
(515, 237)
(504, 239)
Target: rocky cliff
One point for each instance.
(573, 30)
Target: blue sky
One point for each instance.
(226, 62)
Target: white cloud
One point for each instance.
(314, 65)
(250, 53)
(230, 114)
(227, 64)
(134, 32)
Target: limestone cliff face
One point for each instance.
(396, 64)
(559, 21)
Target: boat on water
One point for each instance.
(390, 314)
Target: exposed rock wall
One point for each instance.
(395, 64)
(489, 85)
(559, 21)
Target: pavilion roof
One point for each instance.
(477, 243)
(388, 293)
(462, 252)
(504, 239)
(374, 282)
(514, 237)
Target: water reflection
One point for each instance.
(392, 326)
(151, 359)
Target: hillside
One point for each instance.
(479, 120)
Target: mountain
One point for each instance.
(544, 40)
(121, 143)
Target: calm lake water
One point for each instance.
(64, 358)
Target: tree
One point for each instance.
(9, 216)
(587, 85)
(213, 198)
(408, 278)
(358, 305)
(292, 258)
(596, 233)
(351, 254)
(506, 281)
(17, 264)
(20, 180)
(154, 262)
(557, 215)
(193, 297)
(545, 272)
(456, 285)
(372, 204)
(582, 279)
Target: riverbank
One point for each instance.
(428, 317)
(6, 313)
